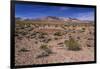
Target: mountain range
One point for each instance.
(54, 18)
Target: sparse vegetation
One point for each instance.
(52, 40)
(88, 45)
(19, 37)
(78, 38)
(43, 54)
(36, 42)
(46, 51)
(45, 48)
(56, 38)
(41, 36)
(72, 45)
(23, 50)
(83, 28)
(60, 43)
(58, 34)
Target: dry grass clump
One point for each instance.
(23, 50)
(58, 34)
(56, 38)
(82, 30)
(72, 45)
(45, 48)
(46, 51)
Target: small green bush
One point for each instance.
(66, 42)
(72, 45)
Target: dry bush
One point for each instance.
(23, 50)
(72, 45)
(58, 34)
(46, 51)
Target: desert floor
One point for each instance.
(27, 49)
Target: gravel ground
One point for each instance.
(27, 49)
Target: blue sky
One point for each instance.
(38, 11)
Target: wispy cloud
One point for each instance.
(86, 16)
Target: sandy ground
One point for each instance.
(60, 53)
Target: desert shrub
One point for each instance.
(43, 33)
(19, 37)
(46, 51)
(33, 37)
(91, 33)
(58, 34)
(48, 39)
(60, 43)
(27, 36)
(45, 48)
(30, 29)
(73, 31)
(56, 25)
(23, 50)
(63, 27)
(56, 38)
(43, 54)
(74, 26)
(89, 38)
(88, 45)
(83, 28)
(41, 36)
(45, 40)
(36, 42)
(78, 37)
(22, 27)
(72, 45)
(24, 33)
(28, 25)
(66, 43)
(34, 33)
(81, 31)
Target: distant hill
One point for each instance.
(56, 19)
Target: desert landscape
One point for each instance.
(52, 39)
